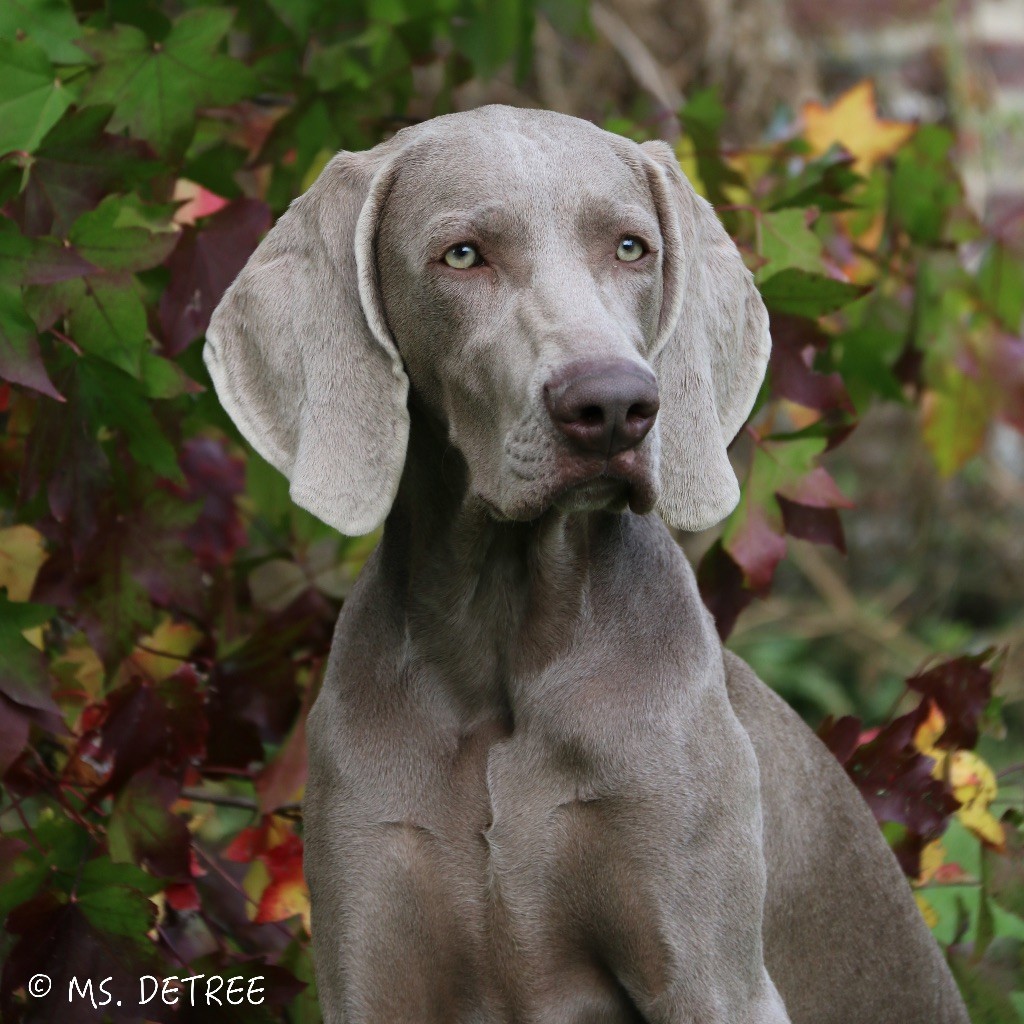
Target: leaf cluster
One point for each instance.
(165, 612)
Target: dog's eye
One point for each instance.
(462, 256)
(630, 249)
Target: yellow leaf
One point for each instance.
(928, 912)
(852, 121)
(161, 654)
(932, 856)
(256, 880)
(22, 552)
(984, 825)
(929, 731)
(974, 784)
(79, 666)
(686, 154)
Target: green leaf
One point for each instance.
(36, 260)
(73, 168)
(805, 294)
(491, 34)
(825, 183)
(925, 186)
(118, 910)
(22, 874)
(702, 119)
(787, 241)
(32, 98)
(144, 830)
(864, 357)
(122, 234)
(105, 871)
(106, 318)
(1005, 872)
(117, 400)
(983, 990)
(1001, 283)
(156, 88)
(957, 416)
(50, 24)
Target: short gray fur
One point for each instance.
(539, 789)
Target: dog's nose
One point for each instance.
(603, 406)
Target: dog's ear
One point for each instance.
(711, 352)
(302, 358)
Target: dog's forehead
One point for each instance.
(535, 158)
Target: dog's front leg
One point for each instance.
(642, 889)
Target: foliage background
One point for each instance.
(165, 611)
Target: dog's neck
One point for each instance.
(484, 600)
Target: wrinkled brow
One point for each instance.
(600, 214)
(486, 222)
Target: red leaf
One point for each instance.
(961, 688)
(73, 168)
(818, 525)
(794, 342)
(215, 478)
(720, 581)
(757, 549)
(287, 895)
(21, 362)
(896, 781)
(247, 845)
(182, 896)
(818, 490)
(281, 780)
(205, 261)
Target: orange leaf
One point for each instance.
(852, 121)
(287, 895)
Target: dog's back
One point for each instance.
(842, 933)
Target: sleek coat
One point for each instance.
(539, 789)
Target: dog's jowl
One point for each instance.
(540, 791)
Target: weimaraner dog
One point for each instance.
(539, 790)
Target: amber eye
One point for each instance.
(630, 249)
(462, 256)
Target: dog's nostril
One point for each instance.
(603, 406)
(640, 411)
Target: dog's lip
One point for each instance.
(624, 471)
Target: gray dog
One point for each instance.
(539, 789)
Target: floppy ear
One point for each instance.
(711, 352)
(302, 358)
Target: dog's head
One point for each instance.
(557, 297)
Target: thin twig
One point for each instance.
(243, 803)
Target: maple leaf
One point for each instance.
(22, 552)
(205, 262)
(73, 168)
(721, 583)
(853, 122)
(156, 88)
(216, 478)
(32, 97)
(795, 341)
(50, 24)
(896, 780)
(20, 359)
(144, 830)
(287, 895)
(960, 689)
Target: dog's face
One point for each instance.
(556, 297)
(523, 287)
